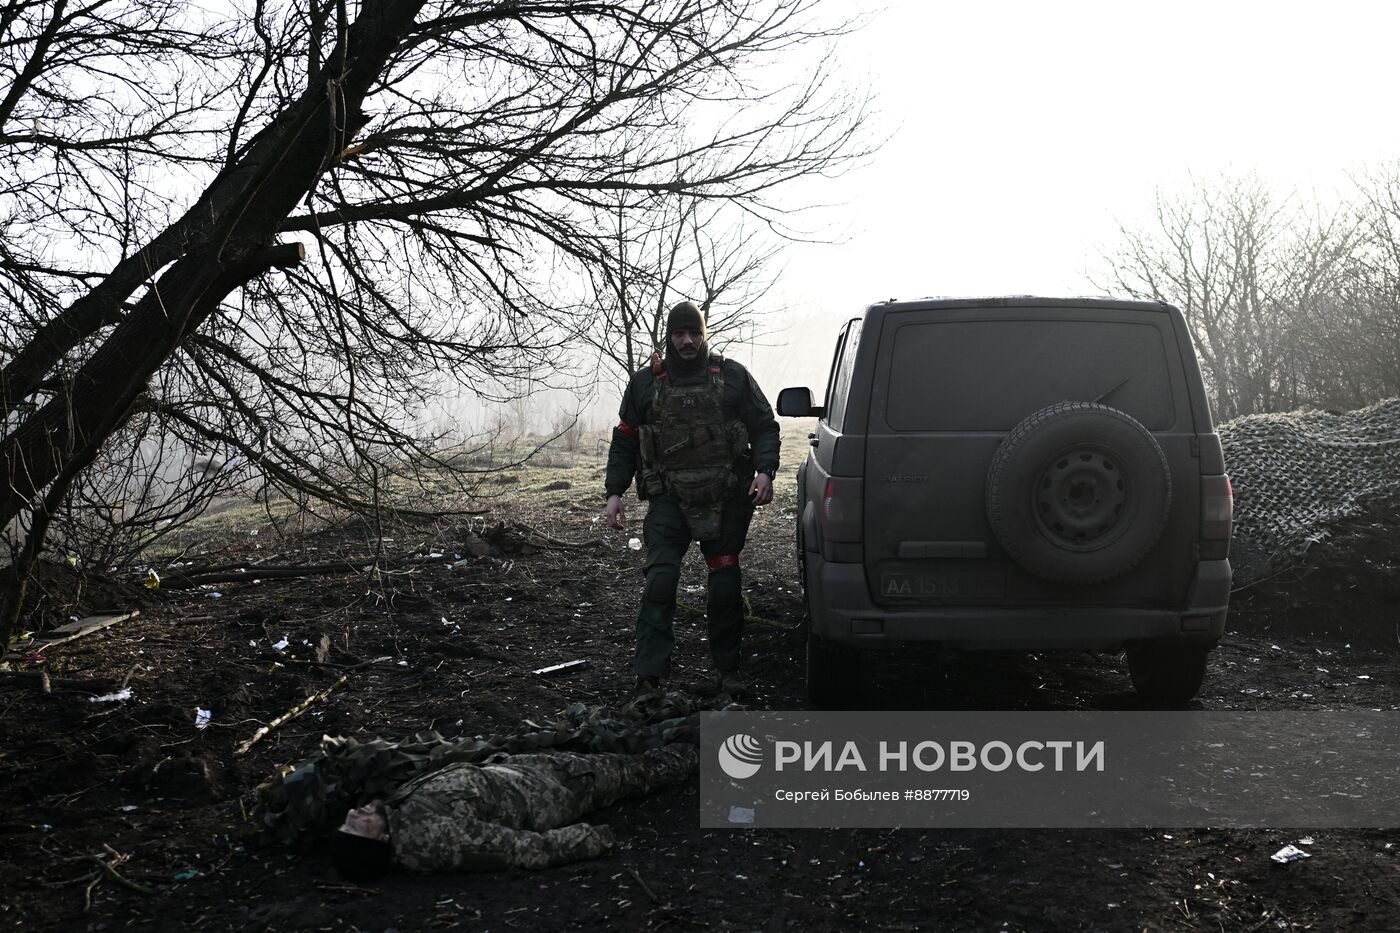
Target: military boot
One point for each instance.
(733, 683)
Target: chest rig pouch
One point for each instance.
(688, 450)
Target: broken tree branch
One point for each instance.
(539, 539)
(289, 715)
(111, 871)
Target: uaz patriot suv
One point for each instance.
(1014, 473)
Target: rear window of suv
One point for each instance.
(989, 375)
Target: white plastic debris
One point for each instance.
(214, 594)
(635, 544)
(1305, 841)
(1289, 853)
(403, 664)
(252, 643)
(202, 717)
(435, 555)
(281, 645)
(123, 694)
(128, 808)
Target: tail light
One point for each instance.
(1217, 515)
(841, 509)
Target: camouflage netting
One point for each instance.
(1298, 473)
(312, 797)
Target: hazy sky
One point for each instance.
(1022, 132)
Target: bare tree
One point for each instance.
(445, 161)
(682, 248)
(1221, 254)
(1372, 282)
(1289, 303)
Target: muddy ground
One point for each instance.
(122, 814)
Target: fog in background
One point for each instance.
(1021, 135)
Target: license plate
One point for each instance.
(970, 583)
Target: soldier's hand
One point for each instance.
(761, 492)
(615, 512)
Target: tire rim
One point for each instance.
(1080, 499)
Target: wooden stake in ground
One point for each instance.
(289, 715)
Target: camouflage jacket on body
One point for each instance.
(521, 812)
(743, 401)
(310, 798)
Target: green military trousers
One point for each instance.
(668, 537)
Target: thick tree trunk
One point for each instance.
(232, 244)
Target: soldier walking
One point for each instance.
(701, 440)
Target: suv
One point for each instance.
(1022, 473)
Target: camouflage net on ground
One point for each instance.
(1295, 474)
(312, 797)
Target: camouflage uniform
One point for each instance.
(693, 436)
(516, 813)
(305, 801)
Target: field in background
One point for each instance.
(532, 470)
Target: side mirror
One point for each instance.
(797, 403)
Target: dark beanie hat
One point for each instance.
(686, 316)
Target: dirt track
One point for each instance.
(139, 777)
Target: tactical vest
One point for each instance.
(689, 449)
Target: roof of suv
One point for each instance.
(1019, 301)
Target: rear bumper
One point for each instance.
(842, 612)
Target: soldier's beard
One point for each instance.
(680, 366)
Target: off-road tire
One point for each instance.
(833, 674)
(1167, 673)
(1078, 493)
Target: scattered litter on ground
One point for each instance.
(567, 667)
(1289, 853)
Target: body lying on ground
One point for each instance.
(519, 812)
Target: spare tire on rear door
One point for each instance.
(1078, 492)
